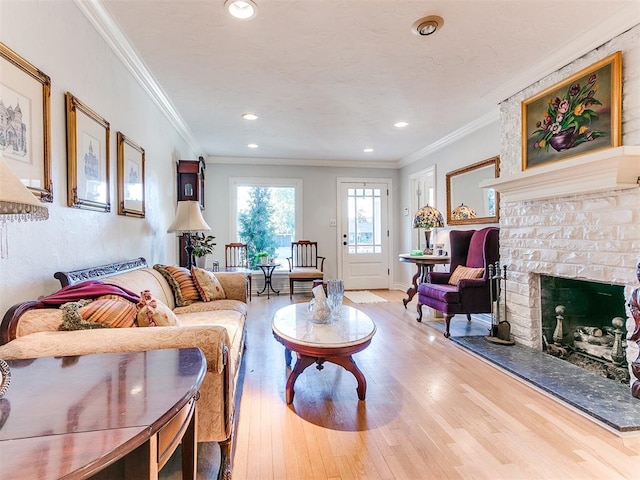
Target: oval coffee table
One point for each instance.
(318, 343)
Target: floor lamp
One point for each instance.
(16, 203)
(188, 220)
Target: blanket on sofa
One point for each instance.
(88, 289)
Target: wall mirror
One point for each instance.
(467, 202)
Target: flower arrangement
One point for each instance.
(202, 244)
(566, 122)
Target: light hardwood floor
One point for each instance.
(432, 411)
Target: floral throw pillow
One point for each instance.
(154, 313)
(207, 284)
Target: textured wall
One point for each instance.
(594, 236)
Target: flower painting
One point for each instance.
(579, 115)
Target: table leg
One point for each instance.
(411, 291)
(349, 364)
(302, 363)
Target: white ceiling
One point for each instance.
(330, 77)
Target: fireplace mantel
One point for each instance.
(605, 170)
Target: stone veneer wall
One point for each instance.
(591, 236)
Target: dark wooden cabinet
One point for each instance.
(191, 180)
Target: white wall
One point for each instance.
(57, 38)
(319, 201)
(479, 145)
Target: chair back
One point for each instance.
(304, 254)
(235, 255)
(475, 248)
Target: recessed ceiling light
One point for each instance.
(242, 9)
(249, 116)
(400, 124)
(427, 25)
(368, 150)
(253, 145)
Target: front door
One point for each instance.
(364, 235)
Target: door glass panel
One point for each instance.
(364, 210)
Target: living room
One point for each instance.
(79, 60)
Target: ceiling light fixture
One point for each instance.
(400, 124)
(249, 116)
(368, 150)
(427, 25)
(241, 9)
(252, 145)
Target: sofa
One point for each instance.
(217, 327)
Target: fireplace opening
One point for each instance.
(583, 322)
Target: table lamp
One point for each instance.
(428, 217)
(463, 212)
(188, 220)
(16, 203)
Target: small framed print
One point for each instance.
(130, 177)
(87, 157)
(25, 122)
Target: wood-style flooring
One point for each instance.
(433, 411)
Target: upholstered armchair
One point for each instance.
(465, 288)
(305, 265)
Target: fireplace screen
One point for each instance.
(583, 322)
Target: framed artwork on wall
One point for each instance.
(130, 177)
(576, 116)
(87, 157)
(25, 122)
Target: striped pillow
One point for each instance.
(181, 282)
(104, 312)
(465, 272)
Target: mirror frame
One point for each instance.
(495, 161)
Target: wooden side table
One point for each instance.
(425, 264)
(102, 416)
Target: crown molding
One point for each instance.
(483, 121)
(107, 28)
(300, 162)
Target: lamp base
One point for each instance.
(427, 249)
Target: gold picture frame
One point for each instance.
(87, 157)
(131, 159)
(25, 92)
(578, 115)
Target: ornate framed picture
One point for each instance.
(576, 116)
(87, 157)
(130, 177)
(25, 122)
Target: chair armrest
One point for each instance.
(321, 262)
(471, 283)
(439, 277)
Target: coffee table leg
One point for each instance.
(349, 364)
(302, 363)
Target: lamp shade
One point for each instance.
(16, 201)
(188, 218)
(428, 217)
(463, 212)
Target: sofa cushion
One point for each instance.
(207, 284)
(104, 312)
(465, 272)
(181, 282)
(153, 313)
(226, 304)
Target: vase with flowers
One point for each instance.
(567, 120)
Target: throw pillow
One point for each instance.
(465, 272)
(181, 282)
(154, 313)
(104, 312)
(207, 284)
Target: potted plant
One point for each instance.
(262, 257)
(203, 245)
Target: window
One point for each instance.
(266, 215)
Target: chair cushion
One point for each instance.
(310, 273)
(465, 272)
(442, 292)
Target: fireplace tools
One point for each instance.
(500, 331)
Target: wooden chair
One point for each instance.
(305, 265)
(236, 259)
